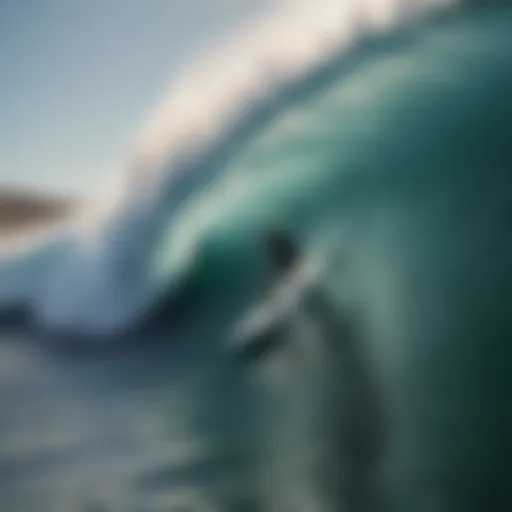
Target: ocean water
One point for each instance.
(388, 162)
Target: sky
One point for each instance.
(79, 77)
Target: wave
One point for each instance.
(241, 143)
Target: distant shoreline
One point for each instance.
(22, 210)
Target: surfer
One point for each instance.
(267, 327)
(282, 251)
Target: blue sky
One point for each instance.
(78, 77)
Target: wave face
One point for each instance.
(194, 182)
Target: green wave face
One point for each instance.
(402, 165)
(416, 111)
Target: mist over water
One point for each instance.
(388, 164)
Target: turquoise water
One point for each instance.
(310, 167)
(392, 169)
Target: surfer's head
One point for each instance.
(281, 249)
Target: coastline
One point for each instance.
(22, 210)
